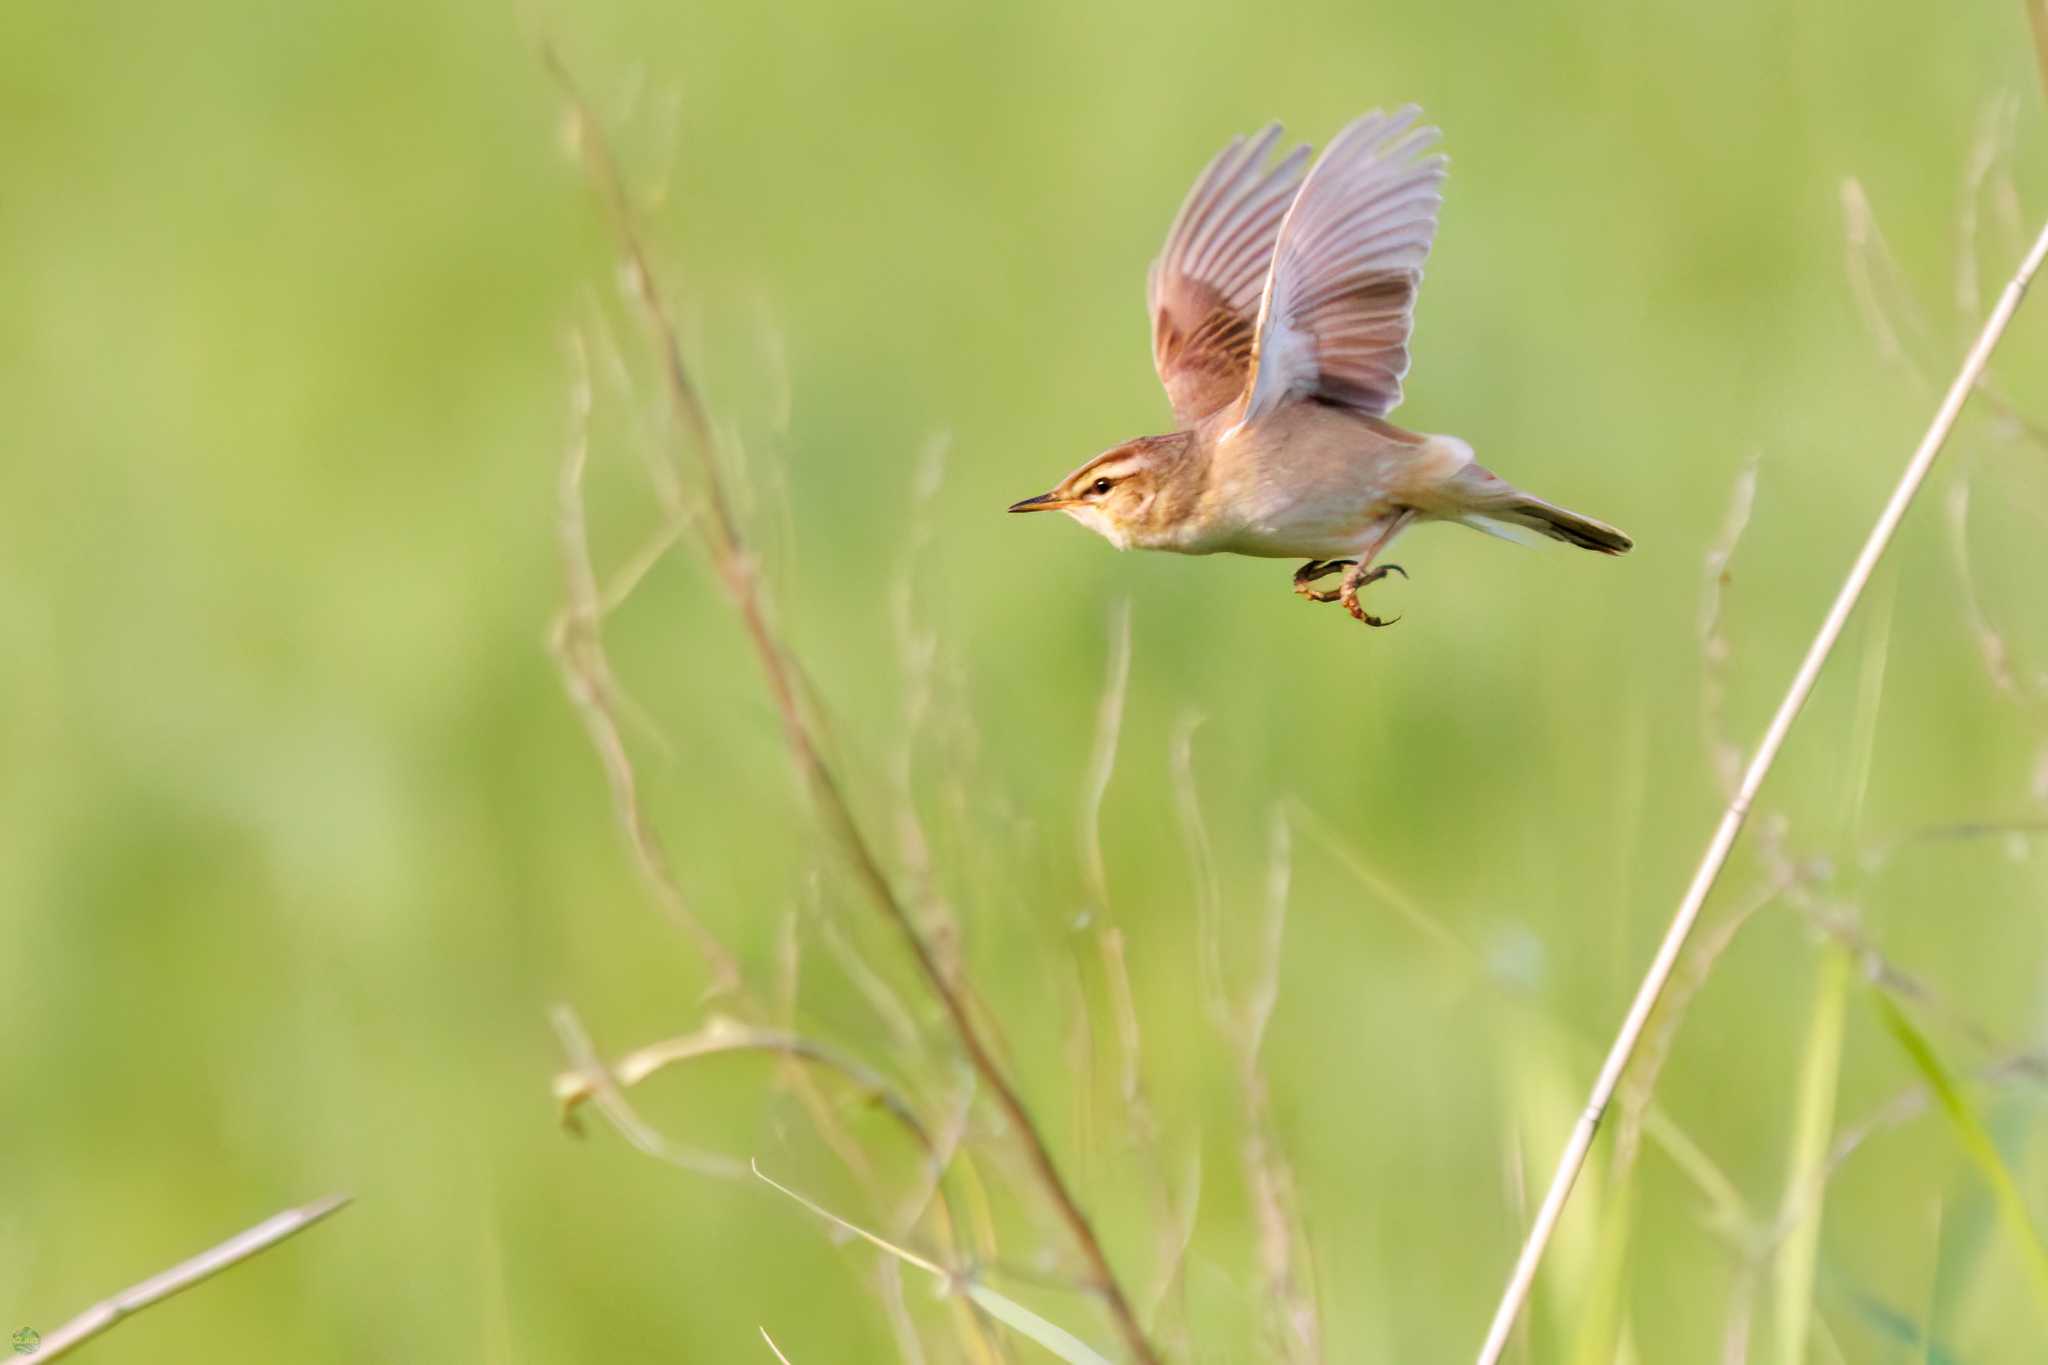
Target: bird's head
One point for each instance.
(1132, 494)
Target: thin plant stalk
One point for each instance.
(725, 549)
(1573, 1159)
(1053, 1337)
(182, 1276)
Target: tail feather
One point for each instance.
(1494, 505)
(1561, 524)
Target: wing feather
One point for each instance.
(1203, 291)
(1339, 302)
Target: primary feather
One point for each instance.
(1203, 291)
(1339, 300)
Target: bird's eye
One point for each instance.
(1101, 487)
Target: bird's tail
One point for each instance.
(1498, 507)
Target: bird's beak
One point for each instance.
(1044, 502)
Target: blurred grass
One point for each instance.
(298, 839)
(1976, 1142)
(1804, 1205)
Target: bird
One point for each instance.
(1281, 308)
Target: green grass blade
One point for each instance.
(1051, 1336)
(1976, 1142)
(1792, 1275)
(1012, 1314)
(1602, 1315)
(1909, 1340)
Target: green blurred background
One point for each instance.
(299, 838)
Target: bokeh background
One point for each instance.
(299, 838)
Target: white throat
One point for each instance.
(1091, 517)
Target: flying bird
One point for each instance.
(1281, 307)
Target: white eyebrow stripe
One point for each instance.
(1119, 467)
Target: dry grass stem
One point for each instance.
(590, 1071)
(1384, 890)
(1886, 301)
(591, 1080)
(2037, 24)
(1877, 855)
(638, 565)
(1173, 1229)
(725, 549)
(794, 1072)
(1109, 720)
(1879, 290)
(1985, 152)
(1715, 650)
(889, 1289)
(1177, 1234)
(1275, 1208)
(1123, 1008)
(1733, 818)
(577, 642)
(1840, 926)
(1049, 1335)
(1915, 1100)
(939, 1154)
(722, 1036)
(1194, 833)
(1080, 1069)
(879, 995)
(109, 1312)
(1700, 961)
(1991, 645)
(917, 652)
(1293, 1318)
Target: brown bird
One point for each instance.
(1281, 307)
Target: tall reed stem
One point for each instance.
(1716, 857)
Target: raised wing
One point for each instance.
(1203, 291)
(1340, 301)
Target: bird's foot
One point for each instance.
(1315, 569)
(1358, 578)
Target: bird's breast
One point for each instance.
(1319, 486)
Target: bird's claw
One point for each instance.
(1348, 594)
(1308, 573)
(1315, 569)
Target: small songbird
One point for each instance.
(1281, 307)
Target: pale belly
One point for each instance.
(1323, 537)
(1338, 515)
(1322, 490)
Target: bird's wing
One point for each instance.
(1203, 291)
(1340, 300)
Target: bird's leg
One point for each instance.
(1364, 571)
(1314, 569)
(1358, 578)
